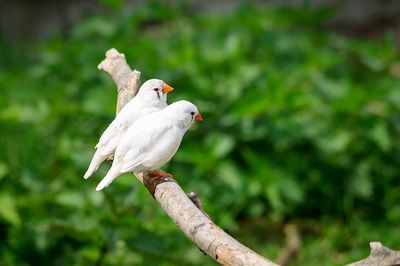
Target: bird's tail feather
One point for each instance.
(110, 176)
(94, 164)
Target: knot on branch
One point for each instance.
(194, 197)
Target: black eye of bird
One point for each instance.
(156, 89)
(192, 113)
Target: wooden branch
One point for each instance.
(195, 224)
(380, 256)
(127, 81)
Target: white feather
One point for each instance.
(146, 102)
(152, 141)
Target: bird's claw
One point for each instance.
(156, 173)
(152, 178)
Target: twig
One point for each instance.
(293, 244)
(195, 224)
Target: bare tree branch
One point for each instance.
(380, 256)
(195, 224)
(127, 81)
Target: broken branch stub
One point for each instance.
(128, 81)
(380, 256)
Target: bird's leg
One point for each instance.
(152, 178)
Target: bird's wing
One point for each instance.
(132, 160)
(115, 131)
(139, 140)
(109, 139)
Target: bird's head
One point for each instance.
(154, 91)
(185, 113)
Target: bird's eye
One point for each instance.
(156, 89)
(192, 113)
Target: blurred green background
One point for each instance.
(301, 127)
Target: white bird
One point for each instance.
(152, 141)
(152, 97)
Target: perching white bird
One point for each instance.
(152, 141)
(152, 97)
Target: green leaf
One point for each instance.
(221, 144)
(229, 173)
(70, 198)
(3, 170)
(335, 142)
(8, 209)
(380, 135)
(360, 184)
(147, 242)
(290, 189)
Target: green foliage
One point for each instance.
(299, 125)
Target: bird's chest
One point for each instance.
(167, 146)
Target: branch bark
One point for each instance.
(195, 224)
(127, 81)
(380, 256)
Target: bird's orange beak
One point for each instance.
(167, 88)
(198, 118)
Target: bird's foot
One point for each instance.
(156, 173)
(152, 178)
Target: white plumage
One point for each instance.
(152, 141)
(151, 97)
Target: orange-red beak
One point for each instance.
(198, 118)
(167, 88)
